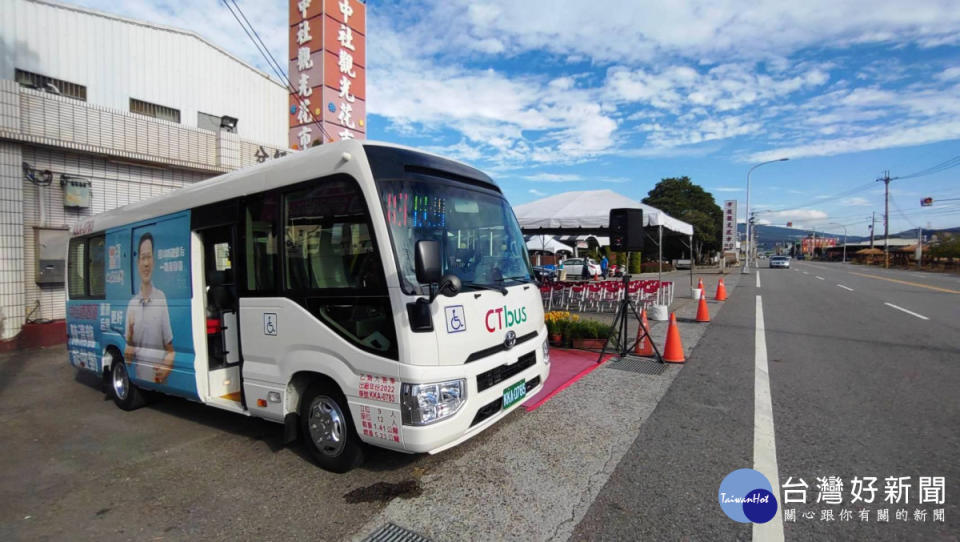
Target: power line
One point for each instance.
(942, 166)
(271, 62)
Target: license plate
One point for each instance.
(514, 393)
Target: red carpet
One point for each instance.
(566, 367)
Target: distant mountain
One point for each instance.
(769, 236)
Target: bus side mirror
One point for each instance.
(427, 262)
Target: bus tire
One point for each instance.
(125, 394)
(327, 430)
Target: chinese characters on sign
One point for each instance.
(730, 224)
(380, 423)
(864, 499)
(327, 71)
(380, 388)
(821, 243)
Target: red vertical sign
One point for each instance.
(327, 71)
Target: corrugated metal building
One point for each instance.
(97, 111)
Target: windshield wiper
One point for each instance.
(477, 286)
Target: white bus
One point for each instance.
(354, 292)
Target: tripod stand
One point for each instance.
(618, 332)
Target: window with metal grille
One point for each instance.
(51, 85)
(153, 110)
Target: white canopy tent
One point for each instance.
(590, 210)
(546, 243)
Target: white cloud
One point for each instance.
(856, 202)
(554, 177)
(636, 32)
(949, 74)
(796, 215)
(536, 192)
(901, 136)
(727, 189)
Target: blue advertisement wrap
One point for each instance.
(146, 313)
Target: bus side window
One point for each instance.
(260, 243)
(95, 271)
(76, 264)
(85, 268)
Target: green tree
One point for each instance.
(636, 263)
(681, 198)
(948, 247)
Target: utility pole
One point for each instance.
(919, 249)
(873, 222)
(886, 218)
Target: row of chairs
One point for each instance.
(606, 295)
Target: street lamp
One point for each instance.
(746, 263)
(844, 240)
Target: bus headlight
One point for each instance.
(423, 404)
(546, 351)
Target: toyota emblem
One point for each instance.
(510, 341)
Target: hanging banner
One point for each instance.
(328, 71)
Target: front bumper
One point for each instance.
(479, 411)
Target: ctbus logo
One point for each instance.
(747, 496)
(502, 317)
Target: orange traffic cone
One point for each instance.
(703, 314)
(643, 347)
(721, 291)
(700, 284)
(673, 350)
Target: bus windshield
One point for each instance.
(478, 233)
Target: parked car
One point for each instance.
(574, 267)
(545, 273)
(780, 261)
(682, 264)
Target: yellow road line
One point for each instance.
(909, 283)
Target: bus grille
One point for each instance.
(499, 374)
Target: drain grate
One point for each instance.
(392, 532)
(634, 364)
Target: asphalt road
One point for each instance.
(858, 388)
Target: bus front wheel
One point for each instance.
(125, 394)
(327, 428)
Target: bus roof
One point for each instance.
(348, 156)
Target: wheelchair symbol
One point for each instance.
(269, 323)
(455, 324)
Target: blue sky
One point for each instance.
(553, 96)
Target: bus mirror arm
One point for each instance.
(450, 285)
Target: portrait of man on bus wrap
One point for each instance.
(148, 332)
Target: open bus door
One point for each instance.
(217, 290)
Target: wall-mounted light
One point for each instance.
(229, 124)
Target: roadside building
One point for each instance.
(98, 111)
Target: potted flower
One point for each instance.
(587, 334)
(557, 322)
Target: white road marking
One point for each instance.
(922, 317)
(764, 438)
(805, 273)
(844, 287)
(758, 278)
(820, 278)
